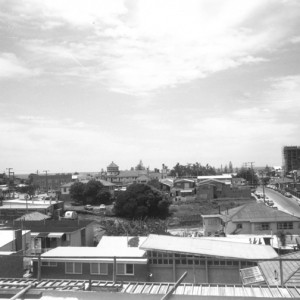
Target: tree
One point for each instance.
(91, 190)
(249, 175)
(140, 201)
(140, 166)
(77, 192)
(155, 183)
(103, 197)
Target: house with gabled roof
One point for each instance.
(251, 218)
(214, 188)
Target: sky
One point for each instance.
(85, 83)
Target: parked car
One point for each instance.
(88, 207)
(270, 202)
(287, 194)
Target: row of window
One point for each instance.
(266, 226)
(201, 262)
(161, 258)
(95, 268)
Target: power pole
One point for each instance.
(46, 171)
(9, 180)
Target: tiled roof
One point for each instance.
(206, 181)
(113, 165)
(143, 177)
(291, 272)
(34, 216)
(258, 212)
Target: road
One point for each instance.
(289, 205)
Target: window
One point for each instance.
(125, 269)
(262, 226)
(239, 226)
(49, 263)
(73, 268)
(265, 226)
(99, 269)
(285, 225)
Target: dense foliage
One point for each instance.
(249, 175)
(134, 227)
(195, 169)
(140, 201)
(92, 192)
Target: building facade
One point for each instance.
(291, 158)
(47, 182)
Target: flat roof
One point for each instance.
(118, 246)
(95, 254)
(7, 236)
(207, 247)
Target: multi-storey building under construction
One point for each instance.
(291, 158)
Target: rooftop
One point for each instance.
(108, 247)
(34, 216)
(207, 247)
(257, 212)
(64, 289)
(7, 236)
(291, 270)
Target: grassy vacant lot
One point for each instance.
(188, 211)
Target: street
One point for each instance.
(289, 205)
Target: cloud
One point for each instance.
(12, 67)
(283, 96)
(139, 47)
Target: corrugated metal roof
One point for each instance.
(132, 290)
(252, 275)
(290, 269)
(205, 247)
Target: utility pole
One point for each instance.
(46, 171)
(9, 180)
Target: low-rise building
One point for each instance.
(251, 218)
(205, 260)
(13, 244)
(47, 182)
(12, 209)
(49, 234)
(209, 189)
(115, 258)
(184, 187)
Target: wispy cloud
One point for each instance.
(12, 67)
(136, 47)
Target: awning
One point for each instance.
(42, 234)
(56, 235)
(34, 234)
(136, 261)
